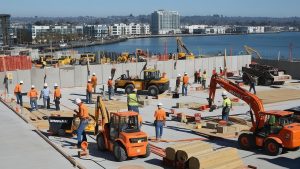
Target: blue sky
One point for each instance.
(102, 8)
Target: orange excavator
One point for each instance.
(272, 130)
(120, 133)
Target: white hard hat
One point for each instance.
(21, 81)
(179, 75)
(159, 104)
(77, 101)
(185, 73)
(94, 74)
(135, 90)
(109, 77)
(55, 85)
(89, 80)
(45, 85)
(224, 93)
(32, 86)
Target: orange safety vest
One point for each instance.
(110, 83)
(140, 119)
(185, 79)
(89, 87)
(32, 93)
(160, 115)
(18, 88)
(57, 93)
(94, 81)
(83, 112)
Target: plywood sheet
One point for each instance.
(278, 95)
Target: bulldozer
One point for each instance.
(87, 57)
(152, 82)
(120, 133)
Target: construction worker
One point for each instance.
(133, 101)
(140, 120)
(45, 94)
(199, 76)
(214, 71)
(185, 80)
(83, 115)
(57, 97)
(160, 121)
(110, 87)
(94, 82)
(18, 93)
(252, 83)
(33, 96)
(227, 105)
(203, 78)
(89, 90)
(178, 80)
(195, 76)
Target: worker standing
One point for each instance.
(18, 93)
(57, 97)
(89, 90)
(160, 121)
(94, 81)
(133, 101)
(140, 120)
(83, 115)
(110, 87)
(199, 77)
(178, 80)
(33, 96)
(204, 76)
(252, 84)
(45, 94)
(227, 105)
(195, 76)
(185, 81)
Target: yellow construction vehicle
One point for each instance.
(152, 81)
(180, 50)
(250, 51)
(105, 60)
(124, 57)
(66, 60)
(84, 58)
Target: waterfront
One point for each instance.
(269, 45)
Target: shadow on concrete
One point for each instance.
(284, 162)
(75, 94)
(157, 162)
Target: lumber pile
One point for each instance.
(226, 158)
(271, 96)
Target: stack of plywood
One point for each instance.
(278, 95)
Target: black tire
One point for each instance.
(148, 151)
(129, 88)
(153, 91)
(119, 152)
(246, 141)
(272, 147)
(100, 142)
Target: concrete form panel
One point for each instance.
(24, 75)
(37, 77)
(52, 76)
(79, 76)
(67, 76)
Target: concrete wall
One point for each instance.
(77, 76)
(291, 68)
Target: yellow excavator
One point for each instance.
(251, 51)
(180, 50)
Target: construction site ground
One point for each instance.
(21, 146)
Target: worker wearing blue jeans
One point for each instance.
(160, 121)
(84, 120)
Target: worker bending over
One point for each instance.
(83, 115)
(94, 81)
(33, 96)
(110, 87)
(57, 97)
(160, 121)
(132, 101)
(18, 93)
(185, 81)
(227, 105)
(45, 94)
(89, 90)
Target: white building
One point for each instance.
(190, 28)
(131, 29)
(165, 22)
(215, 30)
(256, 29)
(39, 30)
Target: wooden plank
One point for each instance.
(278, 95)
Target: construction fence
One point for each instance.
(77, 76)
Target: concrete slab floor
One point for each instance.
(173, 130)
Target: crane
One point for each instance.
(273, 137)
(180, 50)
(250, 51)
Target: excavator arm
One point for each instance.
(250, 50)
(181, 46)
(252, 100)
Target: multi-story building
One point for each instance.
(5, 31)
(119, 29)
(101, 31)
(165, 22)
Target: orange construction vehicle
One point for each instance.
(272, 130)
(120, 133)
